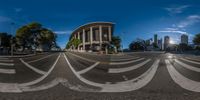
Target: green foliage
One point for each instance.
(137, 45)
(5, 39)
(34, 34)
(116, 41)
(196, 39)
(73, 42)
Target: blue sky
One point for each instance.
(133, 19)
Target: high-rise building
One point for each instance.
(160, 44)
(166, 42)
(155, 38)
(184, 39)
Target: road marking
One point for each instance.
(44, 76)
(127, 62)
(88, 69)
(9, 88)
(125, 86)
(82, 57)
(194, 62)
(44, 86)
(125, 78)
(18, 88)
(33, 68)
(188, 66)
(126, 69)
(193, 59)
(181, 80)
(5, 60)
(7, 71)
(40, 58)
(6, 64)
(123, 59)
(2, 58)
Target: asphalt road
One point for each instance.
(87, 76)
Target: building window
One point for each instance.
(105, 33)
(96, 34)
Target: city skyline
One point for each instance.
(138, 19)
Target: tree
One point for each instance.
(196, 39)
(116, 41)
(139, 44)
(73, 43)
(5, 39)
(34, 35)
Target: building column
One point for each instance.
(83, 39)
(109, 33)
(91, 36)
(100, 36)
(78, 35)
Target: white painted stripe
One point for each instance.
(43, 77)
(33, 68)
(7, 71)
(127, 62)
(6, 64)
(40, 58)
(82, 57)
(181, 80)
(188, 66)
(133, 84)
(44, 86)
(6, 60)
(126, 69)
(1, 58)
(194, 62)
(9, 88)
(125, 86)
(88, 69)
(18, 88)
(123, 59)
(197, 59)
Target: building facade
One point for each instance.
(95, 36)
(166, 42)
(184, 39)
(156, 39)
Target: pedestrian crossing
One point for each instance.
(190, 66)
(7, 66)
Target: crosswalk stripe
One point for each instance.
(192, 59)
(181, 80)
(126, 69)
(127, 62)
(7, 71)
(123, 59)
(6, 64)
(188, 66)
(194, 62)
(5, 60)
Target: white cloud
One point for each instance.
(63, 32)
(4, 19)
(172, 31)
(190, 20)
(177, 9)
(18, 9)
